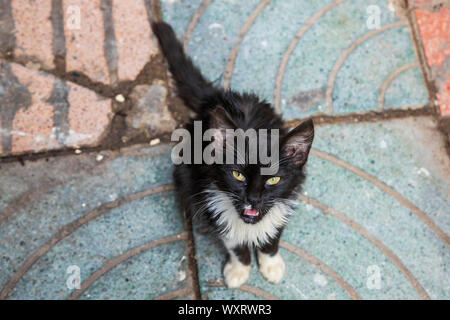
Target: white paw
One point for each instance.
(235, 273)
(272, 268)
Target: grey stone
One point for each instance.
(150, 111)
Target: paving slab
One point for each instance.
(389, 216)
(307, 57)
(112, 215)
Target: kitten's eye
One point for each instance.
(273, 180)
(239, 176)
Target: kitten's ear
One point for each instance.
(297, 143)
(220, 121)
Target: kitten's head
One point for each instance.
(252, 193)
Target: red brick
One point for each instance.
(33, 30)
(89, 116)
(444, 97)
(434, 28)
(135, 44)
(85, 52)
(32, 127)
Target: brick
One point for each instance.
(89, 116)
(33, 31)
(135, 44)
(444, 97)
(434, 30)
(85, 46)
(34, 127)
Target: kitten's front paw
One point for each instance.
(235, 273)
(271, 267)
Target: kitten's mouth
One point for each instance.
(251, 213)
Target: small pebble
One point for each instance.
(78, 151)
(99, 158)
(120, 98)
(154, 142)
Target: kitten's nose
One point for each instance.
(253, 200)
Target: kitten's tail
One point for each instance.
(193, 88)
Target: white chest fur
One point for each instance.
(236, 231)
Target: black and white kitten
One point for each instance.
(244, 208)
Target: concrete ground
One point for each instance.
(87, 205)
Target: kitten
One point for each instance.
(244, 208)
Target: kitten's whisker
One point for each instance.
(280, 161)
(240, 157)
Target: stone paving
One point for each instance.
(87, 212)
(66, 68)
(75, 73)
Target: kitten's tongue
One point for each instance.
(251, 212)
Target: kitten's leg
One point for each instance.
(237, 268)
(270, 262)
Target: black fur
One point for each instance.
(192, 86)
(217, 108)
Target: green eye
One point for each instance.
(238, 176)
(273, 180)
